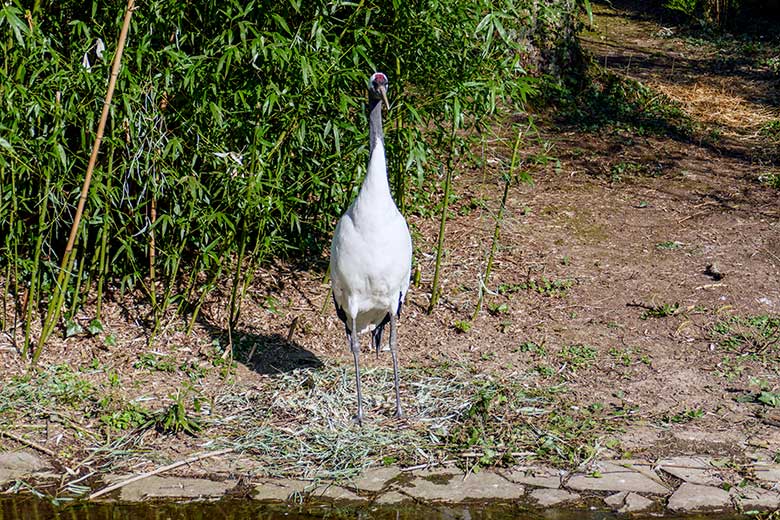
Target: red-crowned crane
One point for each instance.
(371, 253)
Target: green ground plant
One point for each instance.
(750, 337)
(544, 286)
(660, 311)
(578, 356)
(771, 179)
(488, 430)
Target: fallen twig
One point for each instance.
(31, 444)
(163, 469)
(710, 286)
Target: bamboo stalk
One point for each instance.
(102, 264)
(440, 246)
(35, 275)
(443, 222)
(210, 284)
(163, 469)
(79, 278)
(235, 304)
(497, 230)
(152, 254)
(53, 313)
(484, 280)
(29, 443)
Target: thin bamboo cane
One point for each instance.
(54, 310)
(440, 245)
(102, 264)
(152, 254)
(443, 222)
(484, 280)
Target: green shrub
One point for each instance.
(237, 132)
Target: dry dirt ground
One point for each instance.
(600, 300)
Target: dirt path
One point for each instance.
(633, 248)
(640, 219)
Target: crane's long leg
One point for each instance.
(354, 346)
(394, 353)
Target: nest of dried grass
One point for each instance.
(720, 105)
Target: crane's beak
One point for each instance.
(383, 91)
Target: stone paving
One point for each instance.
(685, 484)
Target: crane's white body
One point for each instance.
(371, 252)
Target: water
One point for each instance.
(29, 508)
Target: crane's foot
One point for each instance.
(358, 419)
(399, 413)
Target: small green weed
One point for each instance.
(544, 370)
(533, 348)
(660, 311)
(497, 308)
(113, 380)
(752, 335)
(66, 387)
(95, 327)
(669, 245)
(130, 416)
(730, 368)
(684, 416)
(462, 326)
(769, 398)
(176, 418)
(272, 305)
(622, 169)
(473, 204)
(773, 64)
(767, 515)
(193, 370)
(487, 356)
(155, 361)
(543, 286)
(771, 129)
(771, 179)
(578, 356)
(628, 356)
(73, 328)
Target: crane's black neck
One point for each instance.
(374, 124)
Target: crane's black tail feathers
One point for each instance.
(341, 314)
(376, 334)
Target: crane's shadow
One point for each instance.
(268, 354)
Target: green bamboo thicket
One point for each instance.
(237, 133)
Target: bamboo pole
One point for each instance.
(484, 280)
(53, 313)
(101, 126)
(141, 476)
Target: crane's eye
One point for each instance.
(373, 83)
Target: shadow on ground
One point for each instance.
(268, 354)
